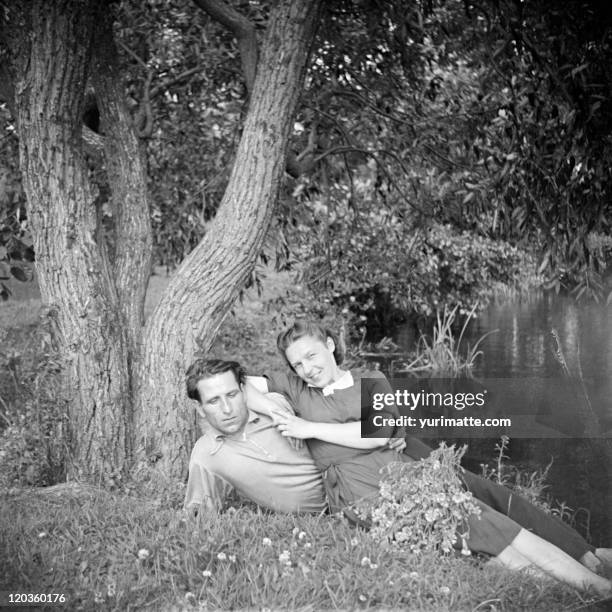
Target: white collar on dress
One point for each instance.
(344, 382)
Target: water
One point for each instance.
(581, 474)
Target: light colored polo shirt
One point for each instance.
(260, 464)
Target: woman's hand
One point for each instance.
(295, 427)
(397, 444)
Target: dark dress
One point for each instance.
(351, 474)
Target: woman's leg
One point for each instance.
(604, 555)
(555, 562)
(528, 516)
(510, 558)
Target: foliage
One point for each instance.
(34, 430)
(16, 252)
(183, 74)
(117, 551)
(540, 155)
(378, 260)
(482, 118)
(492, 120)
(422, 506)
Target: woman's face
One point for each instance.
(313, 360)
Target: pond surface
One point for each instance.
(581, 473)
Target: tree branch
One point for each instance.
(127, 179)
(159, 89)
(242, 29)
(375, 154)
(134, 55)
(144, 117)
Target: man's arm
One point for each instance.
(205, 489)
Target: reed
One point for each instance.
(441, 355)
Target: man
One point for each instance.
(243, 451)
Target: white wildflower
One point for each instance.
(285, 557)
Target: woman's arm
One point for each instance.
(344, 434)
(255, 390)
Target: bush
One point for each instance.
(375, 261)
(33, 442)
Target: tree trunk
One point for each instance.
(206, 284)
(126, 173)
(73, 269)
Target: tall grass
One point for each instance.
(116, 552)
(530, 484)
(441, 356)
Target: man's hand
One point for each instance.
(396, 444)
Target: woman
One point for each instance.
(327, 400)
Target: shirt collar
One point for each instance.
(220, 436)
(344, 382)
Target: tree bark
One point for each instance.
(73, 269)
(206, 284)
(126, 172)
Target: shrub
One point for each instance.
(377, 263)
(33, 442)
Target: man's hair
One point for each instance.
(304, 327)
(207, 368)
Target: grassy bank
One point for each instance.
(120, 552)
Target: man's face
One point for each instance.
(222, 403)
(313, 360)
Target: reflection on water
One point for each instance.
(523, 347)
(581, 473)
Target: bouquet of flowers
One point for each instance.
(422, 505)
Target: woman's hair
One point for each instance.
(304, 327)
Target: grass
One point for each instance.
(530, 484)
(441, 356)
(120, 552)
